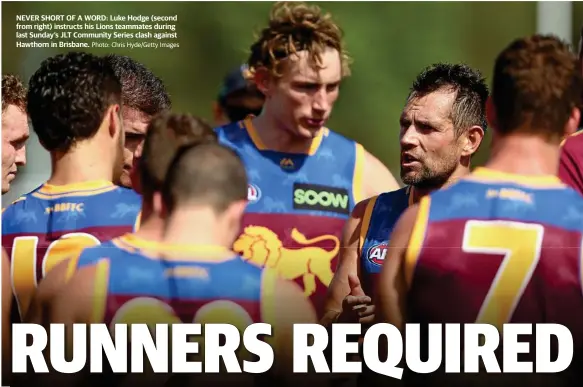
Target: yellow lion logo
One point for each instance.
(262, 247)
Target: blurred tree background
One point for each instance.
(389, 42)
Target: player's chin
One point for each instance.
(125, 178)
(409, 175)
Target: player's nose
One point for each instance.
(21, 156)
(409, 137)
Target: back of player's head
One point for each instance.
(536, 86)
(293, 27)
(469, 107)
(13, 92)
(167, 132)
(141, 89)
(68, 97)
(205, 175)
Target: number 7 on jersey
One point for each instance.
(520, 244)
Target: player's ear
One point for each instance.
(114, 118)
(158, 204)
(235, 213)
(491, 113)
(472, 139)
(573, 122)
(218, 115)
(262, 79)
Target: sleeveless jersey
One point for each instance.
(497, 248)
(571, 161)
(135, 287)
(298, 204)
(380, 216)
(52, 223)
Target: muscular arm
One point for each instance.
(63, 300)
(347, 264)
(376, 177)
(392, 285)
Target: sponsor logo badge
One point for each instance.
(253, 193)
(377, 253)
(321, 198)
(286, 163)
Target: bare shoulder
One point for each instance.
(377, 177)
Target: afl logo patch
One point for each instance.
(377, 253)
(253, 193)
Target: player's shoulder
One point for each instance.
(335, 139)
(232, 134)
(25, 208)
(106, 250)
(574, 141)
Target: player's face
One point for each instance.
(15, 132)
(303, 98)
(429, 149)
(135, 124)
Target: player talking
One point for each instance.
(14, 128)
(442, 126)
(571, 163)
(304, 179)
(192, 275)
(238, 98)
(144, 96)
(502, 245)
(74, 106)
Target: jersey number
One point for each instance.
(151, 311)
(520, 243)
(24, 262)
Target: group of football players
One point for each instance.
(151, 216)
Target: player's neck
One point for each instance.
(418, 192)
(195, 226)
(524, 155)
(276, 137)
(84, 162)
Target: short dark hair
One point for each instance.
(207, 174)
(68, 97)
(167, 132)
(537, 82)
(141, 89)
(469, 107)
(13, 92)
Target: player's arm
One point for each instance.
(347, 265)
(6, 326)
(376, 177)
(64, 301)
(283, 305)
(571, 165)
(392, 285)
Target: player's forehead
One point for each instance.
(432, 107)
(298, 68)
(135, 121)
(14, 123)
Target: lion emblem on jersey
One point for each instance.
(262, 247)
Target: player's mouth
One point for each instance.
(408, 160)
(314, 123)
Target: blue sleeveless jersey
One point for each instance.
(380, 216)
(52, 223)
(298, 204)
(497, 248)
(129, 282)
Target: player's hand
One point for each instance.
(357, 307)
